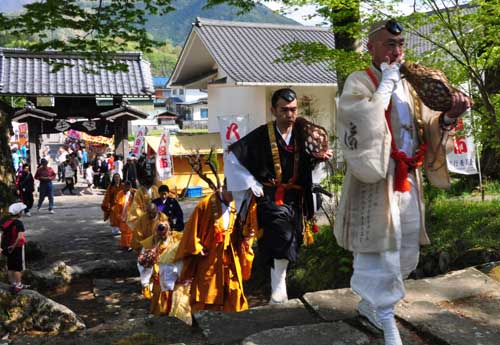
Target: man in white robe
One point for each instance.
(381, 214)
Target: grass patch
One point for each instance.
(323, 265)
(193, 131)
(456, 224)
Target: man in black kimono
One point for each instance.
(269, 161)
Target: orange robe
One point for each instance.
(109, 201)
(120, 212)
(161, 301)
(217, 278)
(141, 201)
(144, 228)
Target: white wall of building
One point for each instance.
(236, 100)
(256, 102)
(321, 109)
(197, 111)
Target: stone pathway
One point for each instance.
(460, 308)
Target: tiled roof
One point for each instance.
(247, 51)
(27, 73)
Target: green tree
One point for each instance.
(163, 59)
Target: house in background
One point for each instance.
(162, 93)
(236, 63)
(194, 110)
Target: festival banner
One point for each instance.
(232, 129)
(163, 158)
(139, 141)
(462, 160)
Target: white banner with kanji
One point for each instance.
(139, 141)
(232, 129)
(462, 160)
(163, 159)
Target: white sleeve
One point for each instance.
(238, 177)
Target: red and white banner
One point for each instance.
(139, 141)
(163, 159)
(232, 129)
(462, 160)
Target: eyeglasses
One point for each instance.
(391, 25)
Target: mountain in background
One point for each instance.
(176, 25)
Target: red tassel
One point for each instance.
(219, 237)
(279, 195)
(401, 183)
(315, 228)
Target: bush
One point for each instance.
(321, 266)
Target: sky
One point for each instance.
(298, 15)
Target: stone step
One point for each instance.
(231, 328)
(452, 286)
(326, 333)
(450, 327)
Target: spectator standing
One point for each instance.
(61, 159)
(26, 188)
(118, 166)
(45, 175)
(24, 152)
(16, 159)
(130, 171)
(12, 246)
(96, 167)
(89, 178)
(75, 164)
(85, 155)
(69, 176)
(105, 177)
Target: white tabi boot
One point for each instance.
(366, 310)
(278, 282)
(391, 332)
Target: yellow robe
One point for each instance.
(217, 278)
(161, 301)
(144, 228)
(119, 212)
(109, 201)
(141, 201)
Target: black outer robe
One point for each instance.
(282, 224)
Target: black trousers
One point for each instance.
(28, 200)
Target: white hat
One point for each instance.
(16, 208)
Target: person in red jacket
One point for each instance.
(45, 175)
(12, 245)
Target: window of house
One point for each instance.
(181, 92)
(204, 113)
(174, 92)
